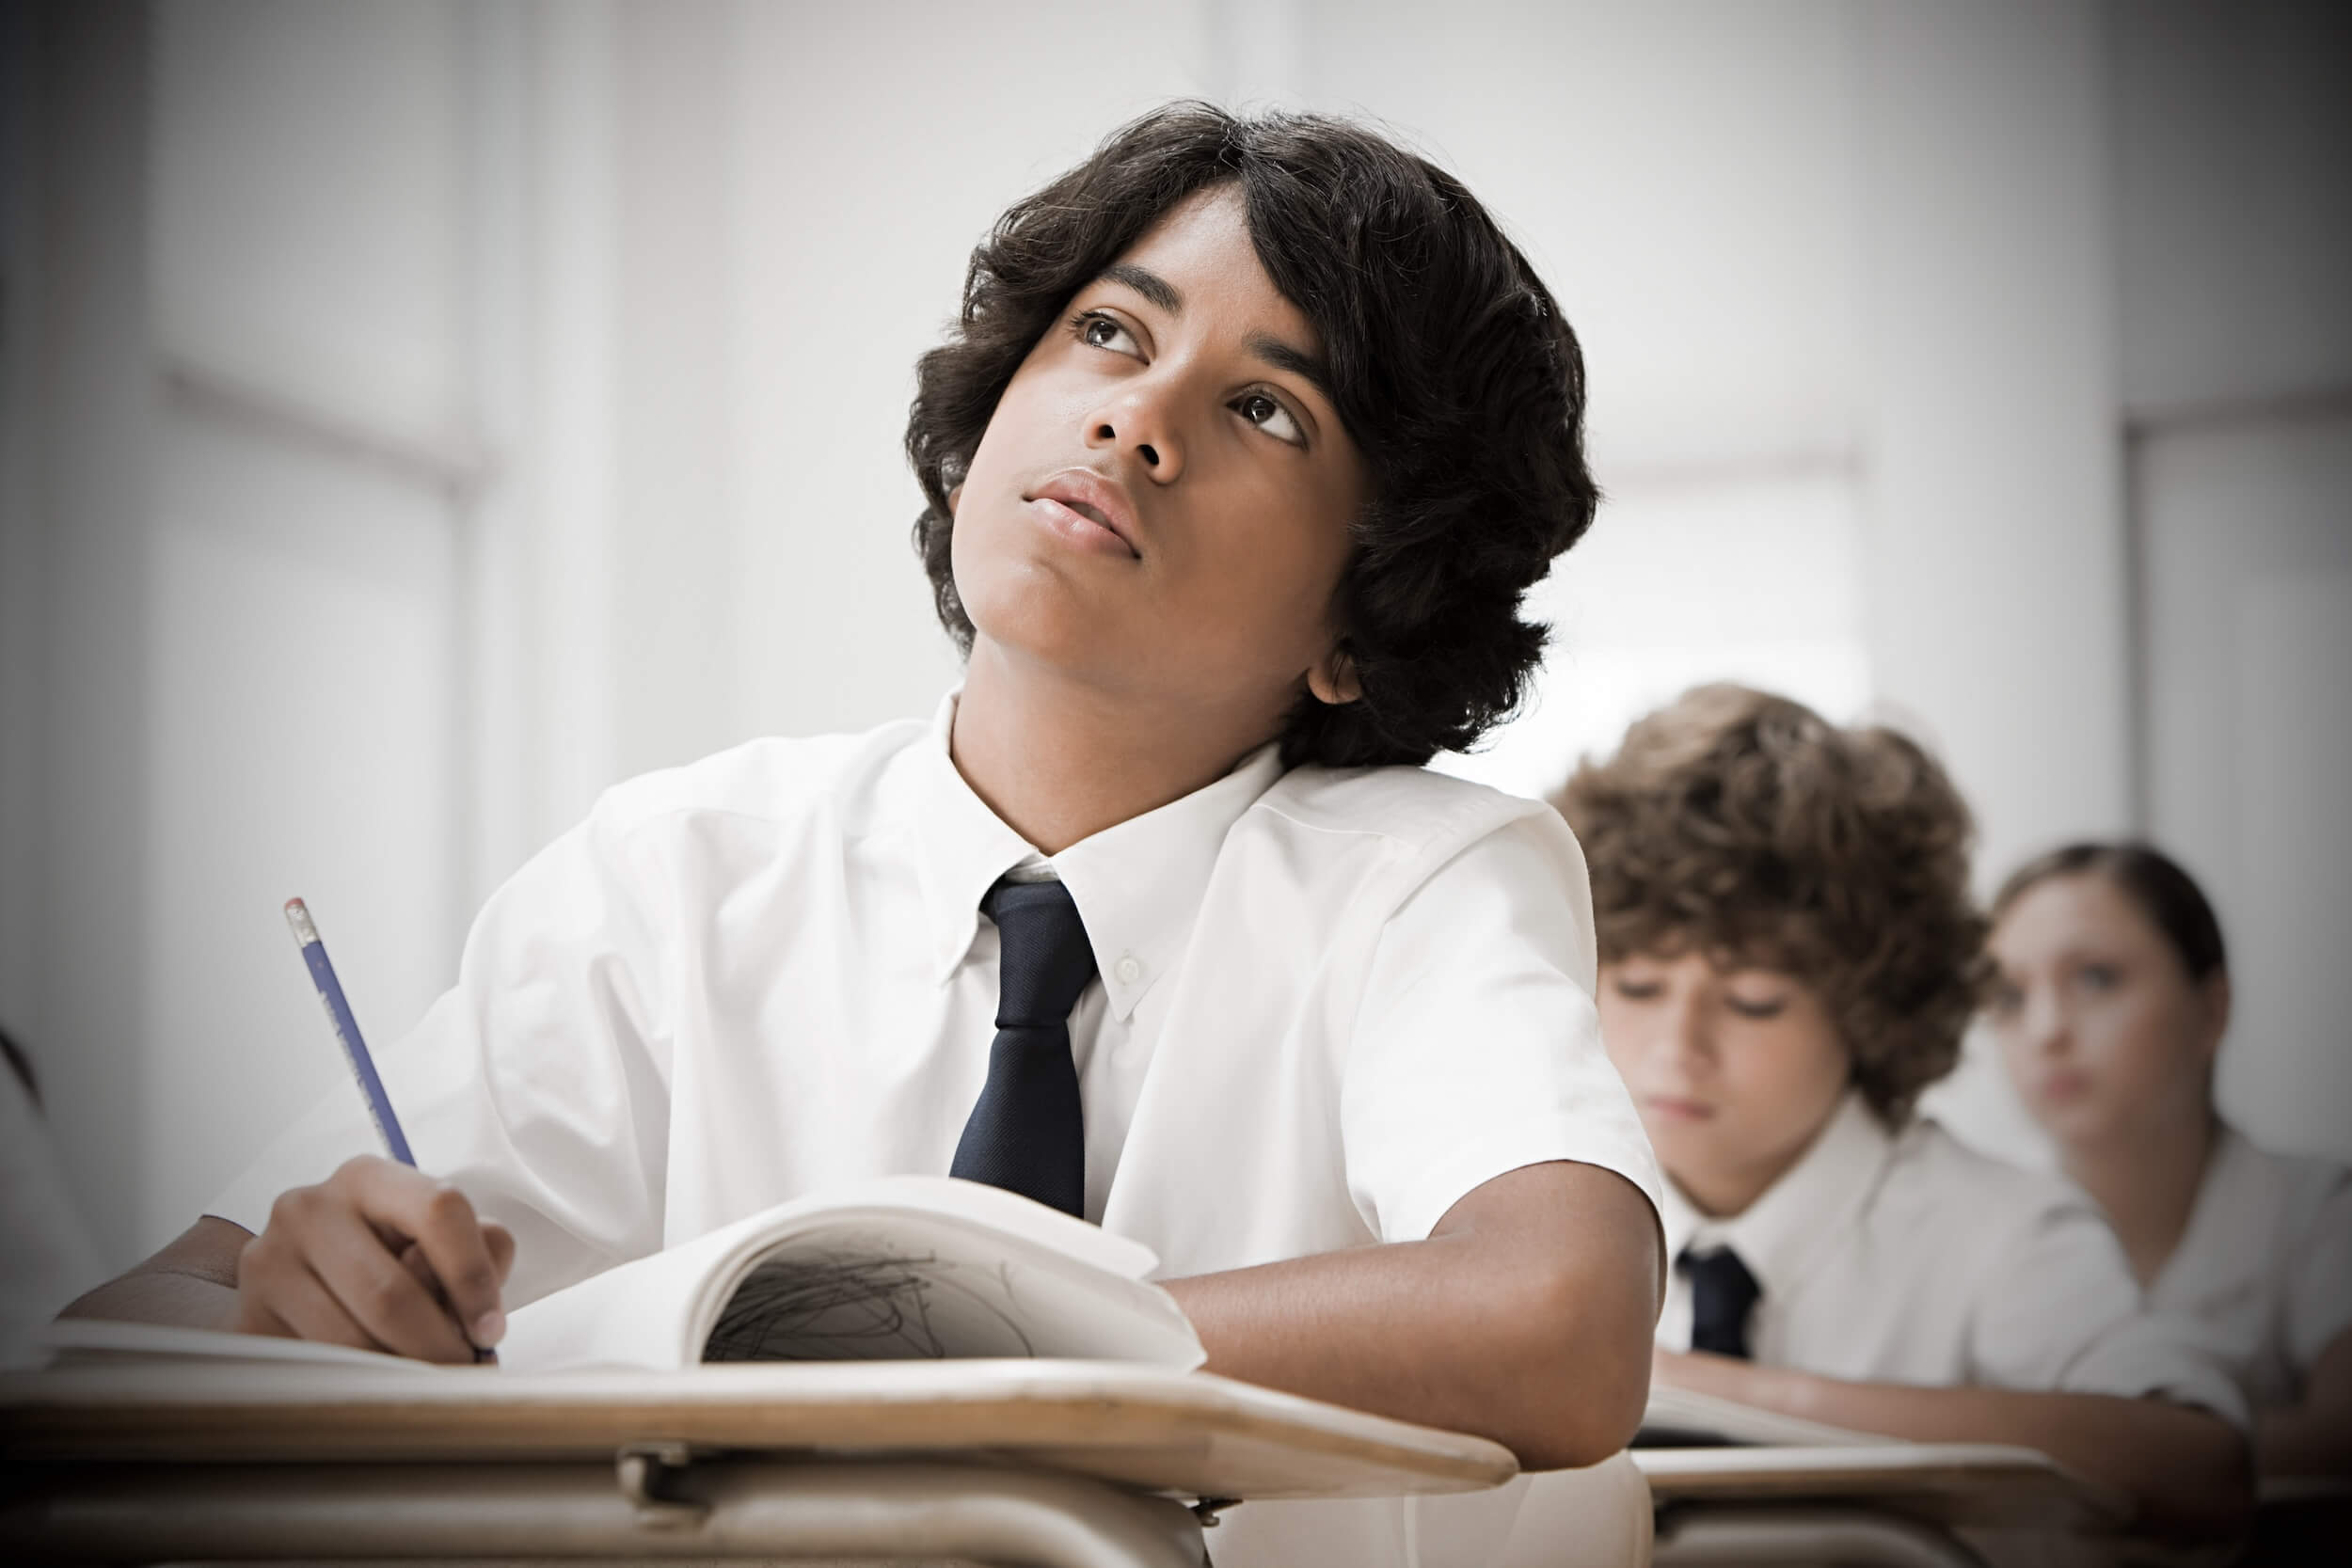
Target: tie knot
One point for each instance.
(1046, 960)
(1723, 1295)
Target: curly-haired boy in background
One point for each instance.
(1788, 956)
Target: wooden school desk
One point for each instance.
(1896, 1504)
(1067, 1464)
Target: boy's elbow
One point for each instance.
(1553, 1305)
(1584, 1386)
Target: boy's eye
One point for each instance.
(1269, 416)
(1097, 330)
(1756, 1006)
(1637, 990)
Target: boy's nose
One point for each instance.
(1684, 1034)
(1139, 422)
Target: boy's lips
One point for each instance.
(1677, 1107)
(1097, 499)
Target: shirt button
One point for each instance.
(1129, 969)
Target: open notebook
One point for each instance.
(899, 1268)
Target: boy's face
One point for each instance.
(1734, 1069)
(1161, 505)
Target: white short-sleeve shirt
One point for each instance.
(2265, 1266)
(1909, 1257)
(1328, 1004)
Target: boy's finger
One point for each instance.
(301, 1300)
(441, 1221)
(501, 1242)
(397, 1307)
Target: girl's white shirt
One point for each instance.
(2265, 1266)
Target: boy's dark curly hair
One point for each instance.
(1751, 826)
(1454, 372)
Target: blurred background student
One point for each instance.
(1789, 955)
(2110, 1005)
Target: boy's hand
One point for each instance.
(380, 1256)
(1728, 1377)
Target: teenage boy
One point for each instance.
(1250, 438)
(1788, 957)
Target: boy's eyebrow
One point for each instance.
(1285, 357)
(1150, 284)
(1273, 350)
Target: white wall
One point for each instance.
(306, 185)
(1685, 180)
(857, 196)
(2247, 534)
(80, 417)
(2236, 369)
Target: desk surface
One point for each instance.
(1954, 1483)
(1182, 1432)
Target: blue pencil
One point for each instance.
(355, 1049)
(347, 1030)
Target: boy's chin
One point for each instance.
(1050, 623)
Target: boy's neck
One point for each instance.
(1060, 760)
(2148, 1184)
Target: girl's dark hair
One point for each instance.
(1750, 828)
(2152, 879)
(1450, 366)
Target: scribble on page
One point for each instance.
(819, 1305)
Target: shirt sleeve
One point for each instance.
(2319, 1275)
(538, 1083)
(1477, 1048)
(2065, 1315)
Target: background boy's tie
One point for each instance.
(1723, 1298)
(1028, 1133)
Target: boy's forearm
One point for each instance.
(1542, 1346)
(158, 1296)
(192, 1283)
(2188, 1470)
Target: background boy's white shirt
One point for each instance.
(2265, 1268)
(1330, 1003)
(1909, 1257)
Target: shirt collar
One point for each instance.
(1784, 1233)
(963, 847)
(1137, 883)
(2210, 1222)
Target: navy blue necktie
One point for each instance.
(1028, 1133)
(1722, 1297)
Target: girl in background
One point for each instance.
(2111, 1000)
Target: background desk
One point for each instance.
(1057, 1463)
(1894, 1504)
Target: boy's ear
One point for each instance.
(1333, 680)
(954, 496)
